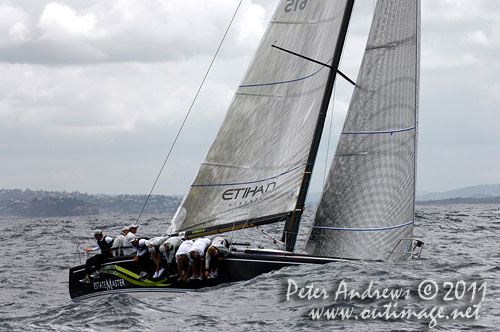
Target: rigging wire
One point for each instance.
(232, 230)
(189, 111)
(329, 133)
(333, 106)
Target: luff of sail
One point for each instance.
(254, 168)
(368, 202)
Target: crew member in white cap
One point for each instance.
(118, 242)
(127, 242)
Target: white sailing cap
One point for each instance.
(97, 232)
(133, 226)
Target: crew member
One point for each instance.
(118, 242)
(215, 253)
(197, 255)
(154, 250)
(168, 249)
(127, 242)
(182, 259)
(104, 244)
(141, 257)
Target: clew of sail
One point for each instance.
(367, 207)
(254, 168)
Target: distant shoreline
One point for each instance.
(29, 203)
(462, 200)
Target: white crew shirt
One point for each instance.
(200, 246)
(183, 249)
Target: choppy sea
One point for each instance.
(454, 286)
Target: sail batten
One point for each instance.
(285, 81)
(269, 126)
(366, 229)
(247, 182)
(391, 131)
(368, 202)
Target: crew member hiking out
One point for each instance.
(168, 249)
(104, 244)
(215, 253)
(141, 257)
(154, 250)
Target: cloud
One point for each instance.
(61, 22)
(127, 30)
(13, 25)
(101, 87)
(18, 32)
(478, 37)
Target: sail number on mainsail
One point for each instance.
(294, 5)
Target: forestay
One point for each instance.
(368, 201)
(254, 168)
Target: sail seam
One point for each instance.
(285, 82)
(259, 94)
(378, 131)
(311, 22)
(249, 182)
(363, 229)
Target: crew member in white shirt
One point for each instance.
(182, 259)
(154, 250)
(117, 248)
(127, 242)
(197, 256)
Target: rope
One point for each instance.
(188, 112)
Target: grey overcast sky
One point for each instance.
(93, 92)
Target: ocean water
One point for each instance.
(459, 270)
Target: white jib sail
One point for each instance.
(368, 201)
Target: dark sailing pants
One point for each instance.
(95, 262)
(143, 262)
(216, 261)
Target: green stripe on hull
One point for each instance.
(131, 277)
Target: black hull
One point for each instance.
(119, 274)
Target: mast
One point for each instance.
(417, 92)
(292, 223)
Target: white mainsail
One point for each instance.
(369, 198)
(255, 166)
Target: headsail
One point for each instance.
(368, 201)
(255, 166)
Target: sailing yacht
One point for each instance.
(257, 170)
